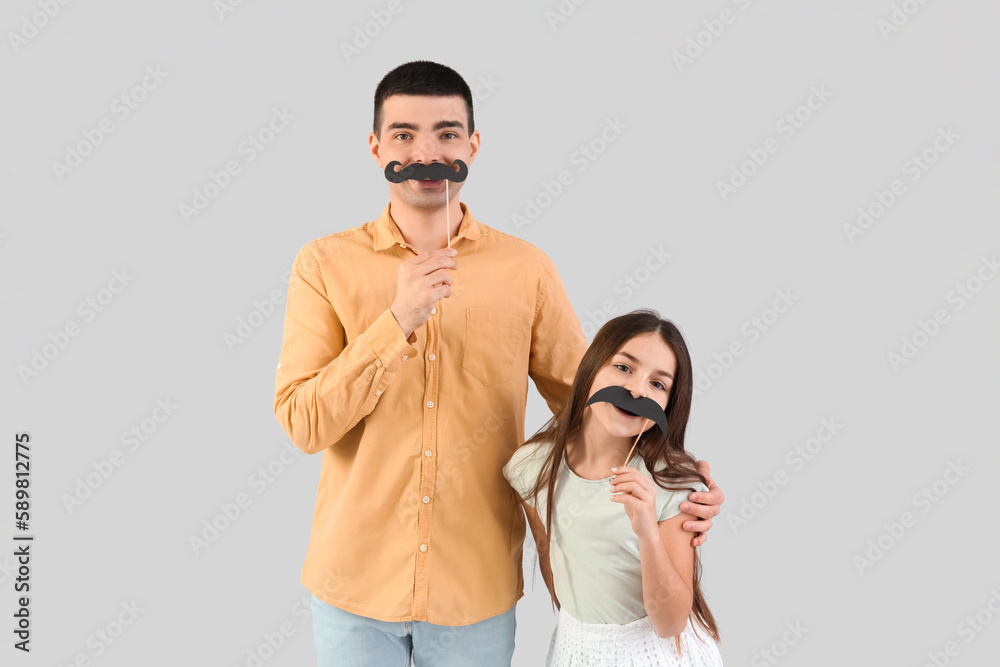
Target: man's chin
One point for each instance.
(427, 199)
(428, 203)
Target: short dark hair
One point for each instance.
(421, 77)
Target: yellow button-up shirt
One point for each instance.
(414, 520)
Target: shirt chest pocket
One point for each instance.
(492, 340)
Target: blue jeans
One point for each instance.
(343, 638)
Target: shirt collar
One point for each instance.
(386, 234)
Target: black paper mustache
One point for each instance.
(435, 171)
(642, 406)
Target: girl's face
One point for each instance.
(646, 366)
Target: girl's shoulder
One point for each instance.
(531, 451)
(527, 456)
(525, 465)
(668, 502)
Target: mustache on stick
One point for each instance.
(642, 406)
(435, 171)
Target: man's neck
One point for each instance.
(423, 229)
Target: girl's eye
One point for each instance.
(624, 368)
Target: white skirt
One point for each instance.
(578, 644)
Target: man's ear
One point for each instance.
(375, 149)
(474, 143)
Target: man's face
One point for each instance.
(424, 129)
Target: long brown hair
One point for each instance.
(672, 467)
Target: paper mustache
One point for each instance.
(622, 398)
(435, 171)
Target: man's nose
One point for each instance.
(426, 151)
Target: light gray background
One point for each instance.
(553, 90)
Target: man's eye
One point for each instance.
(402, 134)
(452, 134)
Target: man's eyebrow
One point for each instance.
(440, 125)
(634, 360)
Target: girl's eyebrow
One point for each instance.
(634, 360)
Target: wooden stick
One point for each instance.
(643, 430)
(447, 213)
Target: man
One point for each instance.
(405, 363)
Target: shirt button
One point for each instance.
(378, 392)
(433, 310)
(423, 547)
(428, 453)
(431, 357)
(405, 357)
(430, 404)
(427, 499)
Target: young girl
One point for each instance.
(611, 548)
